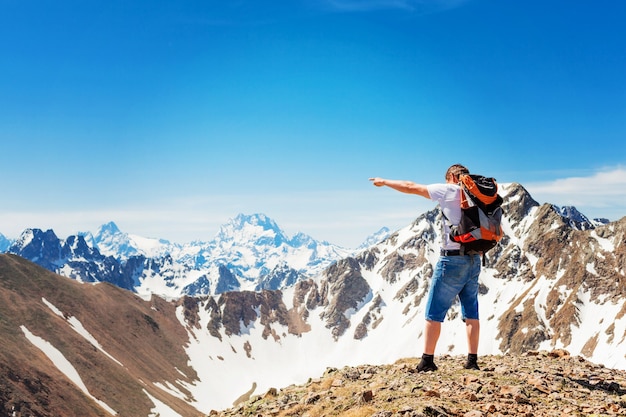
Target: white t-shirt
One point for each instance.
(449, 198)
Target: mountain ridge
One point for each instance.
(248, 252)
(227, 262)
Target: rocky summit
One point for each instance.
(537, 383)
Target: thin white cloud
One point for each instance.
(603, 193)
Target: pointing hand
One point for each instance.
(379, 182)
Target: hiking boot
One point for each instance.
(470, 364)
(425, 366)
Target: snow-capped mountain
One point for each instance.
(4, 243)
(375, 238)
(548, 284)
(577, 219)
(248, 252)
(254, 245)
(111, 241)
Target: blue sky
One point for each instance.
(170, 118)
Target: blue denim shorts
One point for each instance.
(454, 276)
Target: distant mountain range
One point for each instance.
(556, 281)
(249, 252)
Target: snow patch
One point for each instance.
(78, 327)
(63, 365)
(590, 267)
(160, 409)
(605, 244)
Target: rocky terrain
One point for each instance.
(538, 383)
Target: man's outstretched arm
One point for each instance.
(408, 187)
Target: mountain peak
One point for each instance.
(572, 212)
(575, 218)
(107, 229)
(375, 238)
(113, 242)
(256, 219)
(4, 243)
(253, 229)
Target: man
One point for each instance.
(456, 273)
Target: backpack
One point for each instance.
(481, 214)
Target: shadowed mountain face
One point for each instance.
(551, 283)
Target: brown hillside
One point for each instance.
(144, 337)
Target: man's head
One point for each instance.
(453, 173)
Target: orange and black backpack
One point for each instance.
(481, 214)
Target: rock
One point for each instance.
(432, 393)
(469, 396)
(366, 396)
(312, 398)
(558, 353)
(337, 383)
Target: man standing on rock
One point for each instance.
(456, 274)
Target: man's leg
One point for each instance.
(432, 330)
(448, 279)
(472, 327)
(469, 309)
